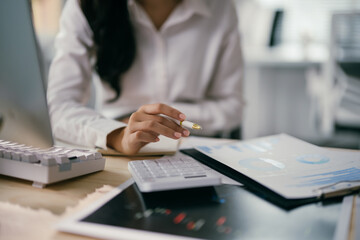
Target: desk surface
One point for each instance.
(57, 197)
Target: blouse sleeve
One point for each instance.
(221, 110)
(69, 84)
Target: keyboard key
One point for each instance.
(61, 158)
(48, 161)
(7, 154)
(15, 156)
(29, 157)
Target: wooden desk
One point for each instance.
(56, 197)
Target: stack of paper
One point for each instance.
(290, 167)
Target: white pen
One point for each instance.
(191, 125)
(185, 123)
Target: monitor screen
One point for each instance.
(24, 116)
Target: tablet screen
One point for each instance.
(222, 212)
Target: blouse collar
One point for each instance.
(185, 10)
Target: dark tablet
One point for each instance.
(222, 212)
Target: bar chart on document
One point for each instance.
(289, 166)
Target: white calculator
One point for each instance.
(170, 173)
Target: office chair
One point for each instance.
(335, 93)
(345, 53)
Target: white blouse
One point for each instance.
(193, 63)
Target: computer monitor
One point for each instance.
(24, 114)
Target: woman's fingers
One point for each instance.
(153, 126)
(145, 126)
(142, 117)
(160, 108)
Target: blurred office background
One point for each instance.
(302, 66)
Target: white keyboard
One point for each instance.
(177, 172)
(45, 166)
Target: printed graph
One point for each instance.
(261, 164)
(349, 174)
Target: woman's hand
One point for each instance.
(145, 125)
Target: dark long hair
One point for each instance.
(114, 39)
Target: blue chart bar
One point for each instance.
(313, 159)
(350, 174)
(205, 149)
(236, 148)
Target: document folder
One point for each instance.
(284, 170)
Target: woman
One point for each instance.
(155, 58)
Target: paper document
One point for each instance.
(193, 141)
(289, 166)
(166, 146)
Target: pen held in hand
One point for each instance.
(185, 123)
(191, 125)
